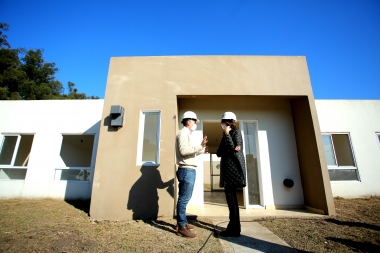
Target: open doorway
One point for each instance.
(213, 194)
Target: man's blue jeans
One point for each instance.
(186, 179)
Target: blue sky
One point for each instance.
(340, 38)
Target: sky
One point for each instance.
(339, 38)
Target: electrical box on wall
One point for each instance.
(117, 115)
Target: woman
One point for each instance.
(232, 170)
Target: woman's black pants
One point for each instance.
(233, 207)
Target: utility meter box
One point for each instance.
(117, 115)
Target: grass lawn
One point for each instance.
(48, 225)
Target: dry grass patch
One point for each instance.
(56, 226)
(354, 228)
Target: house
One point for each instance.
(47, 147)
(120, 151)
(351, 136)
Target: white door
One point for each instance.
(252, 193)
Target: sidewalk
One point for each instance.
(254, 238)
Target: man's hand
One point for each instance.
(237, 149)
(204, 141)
(204, 151)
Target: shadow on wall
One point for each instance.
(143, 196)
(107, 123)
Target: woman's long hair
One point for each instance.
(229, 123)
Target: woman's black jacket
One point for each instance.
(232, 163)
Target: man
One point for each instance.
(186, 153)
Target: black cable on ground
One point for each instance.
(208, 238)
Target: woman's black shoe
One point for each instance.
(227, 233)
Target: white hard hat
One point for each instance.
(229, 115)
(190, 115)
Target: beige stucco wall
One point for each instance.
(148, 83)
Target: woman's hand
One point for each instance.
(237, 149)
(227, 130)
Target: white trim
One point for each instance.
(72, 168)
(15, 150)
(57, 176)
(259, 173)
(14, 155)
(93, 155)
(331, 167)
(346, 181)
(93, 159)
(333, 149)
(337, 167)
(13, 167)
(140, 140)
(10, 166)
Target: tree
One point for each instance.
(73, 92)
(3, 38)
(24, 74)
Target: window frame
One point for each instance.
(338, 167)
(58, 170)
(342, 167)
(15, 152)
(140, 141)
(333, 149)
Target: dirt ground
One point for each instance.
(57, 226)
(355, 228)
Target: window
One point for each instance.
(76, 153)
(251, 153)
(72, 174)
(339, 157)
(149, 138)
(76, 150)
(14, 156)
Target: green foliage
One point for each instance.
(3, 38)
(73, 92)
(24, 74)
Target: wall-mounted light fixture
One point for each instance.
(288, 183)
(117, 115)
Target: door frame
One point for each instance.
(215, 121)
(245, 189)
